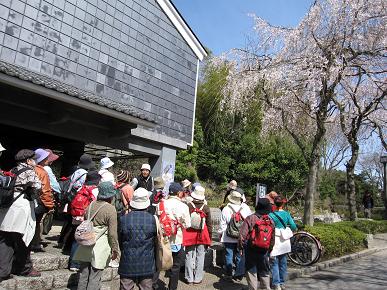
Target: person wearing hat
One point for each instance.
(179, 212)
(123, 184)
(52, 157)
(196, 241)
(17, 223)
(106, 170)
(256, 259)
(85, 164)
(187, 189)
(45, 202)
(90, 190)
(137, 236)
(157, 194)
(93, 260)
(78, 178)
(232, 185)
(271, 196)
(233, 206)
(279, 269)
(144, 180)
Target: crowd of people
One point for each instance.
(129, 216)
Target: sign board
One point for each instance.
(260, 191)
(383, 159)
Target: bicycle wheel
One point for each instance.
(306, 249)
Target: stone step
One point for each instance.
(108, 285)
(49, 261)
(55, 279)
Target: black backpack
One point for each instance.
(67, 190)
(7, 188)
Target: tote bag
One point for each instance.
(164, 260)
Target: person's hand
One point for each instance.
(114, 255)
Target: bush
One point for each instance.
(368, 226)
(338, 239)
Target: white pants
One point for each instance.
(194, 263)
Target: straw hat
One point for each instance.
(185, 183)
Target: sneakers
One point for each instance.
(277, 287)
(74, 269)
(114, 263)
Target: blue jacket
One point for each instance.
(138, 237)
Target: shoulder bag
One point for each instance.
(285, 233)
(163, 253)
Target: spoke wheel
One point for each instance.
(306, 249)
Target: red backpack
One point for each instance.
(261, 233)
(82, 200)
(168, 226)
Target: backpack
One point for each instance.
(7, 188)
(198, 217)
(118, 201)
(168, 226)
(261, 233)
(235, 224)
(81, 201)
(67, 191)
(84, 234)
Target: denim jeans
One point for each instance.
(231, 254)
(72, 263)
(279, 269)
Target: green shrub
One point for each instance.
(338, 239)
(368, 226)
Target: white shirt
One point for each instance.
(226, 218)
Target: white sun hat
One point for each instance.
(198, 193)
(140, 199)
(106, 163)
(145, 167)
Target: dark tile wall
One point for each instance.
(124, 50)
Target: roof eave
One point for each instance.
(185, 31)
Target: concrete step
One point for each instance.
(55, 279)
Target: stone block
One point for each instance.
(64, 278)
(107, 274)
(8, 284)
(39, 283)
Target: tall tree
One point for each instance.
(299, 71)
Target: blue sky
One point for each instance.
(223, 24)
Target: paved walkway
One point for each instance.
(366, 273)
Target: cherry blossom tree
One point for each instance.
(299, 71)
(361, 100)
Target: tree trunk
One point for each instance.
(351, 189)
(310, 192)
